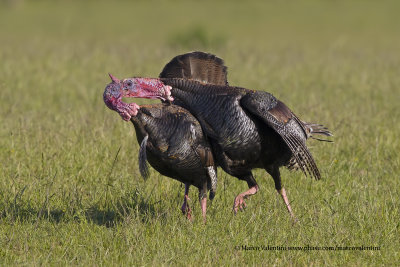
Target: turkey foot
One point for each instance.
(239, 202)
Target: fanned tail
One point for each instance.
(199, 66)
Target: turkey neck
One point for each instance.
(139, 126)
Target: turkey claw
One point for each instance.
(239, 203)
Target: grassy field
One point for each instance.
(70, 188)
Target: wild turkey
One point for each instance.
(247, 129)
(172, 141)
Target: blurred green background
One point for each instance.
(67, 196)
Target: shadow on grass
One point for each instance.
(108, 215)
(124, 210)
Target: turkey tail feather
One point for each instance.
(212, 174)
(199, 66)
(313, 128)
(143, 166)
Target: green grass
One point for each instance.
(63, 200)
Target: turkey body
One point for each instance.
(175, 146)
(247, 129)
(240, 139)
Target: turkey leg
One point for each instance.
(203, 200)
(282, 192)
(203, 204)
(185, 207)
(276, 175)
